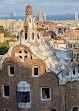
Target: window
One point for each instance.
(30, 20)
(11, 70)
(5, 89)
(75, 109)
(23, 97)
(65, 30)
(74, 70)
(35, 71)
(78, 68)
(59, 30)
(25, 35)
(53, 110)
(77, 37)
(69, 45)
(6, 110)
(37, 35)
(45, 93)
(32, 36)
(47, 28)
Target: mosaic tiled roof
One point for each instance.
(29, 10)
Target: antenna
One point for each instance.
(12, 14)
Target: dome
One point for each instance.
(29, 10)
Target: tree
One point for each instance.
(6, 32)
(41, 29)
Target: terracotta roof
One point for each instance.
(62, 39)
(29, 10)
(46, 34)
(77, 28)
(58, 43)
(13, 38)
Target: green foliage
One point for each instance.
(4, 46)
(56, 38)
(76, 49)
(3, 50)
(21, 31)
(6, 33)
(1, 29)
(41, 29)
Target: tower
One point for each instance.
(29, 15)
(44, 17)
(28, 26)
(68, 17)
(36, 18)
(76, 15)
(40, 16)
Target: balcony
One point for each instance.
(24, 105)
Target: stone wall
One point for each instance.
(63, 98)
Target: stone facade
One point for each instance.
(63, 97)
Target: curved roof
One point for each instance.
(29, 10)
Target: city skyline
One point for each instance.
(50, 7)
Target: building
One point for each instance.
(68, 17)
(35, 77)
(40, 16)
(1, 37)
(76, 15)
(17, 25)
(44, 17)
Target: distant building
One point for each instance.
(1, 37)
(36, 77)
(68, 17)
(36, 18)
(40, 16)
(44, 17)
(76, 15)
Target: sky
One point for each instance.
(49, 7)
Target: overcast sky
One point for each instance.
(50, 7)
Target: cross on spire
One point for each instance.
(22, 54)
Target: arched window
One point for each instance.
(37, 35)
(74, 70)
(11, 70)
(25, 35)
(53, 110)
(30, 20)
(32, 36)
(75, 109)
